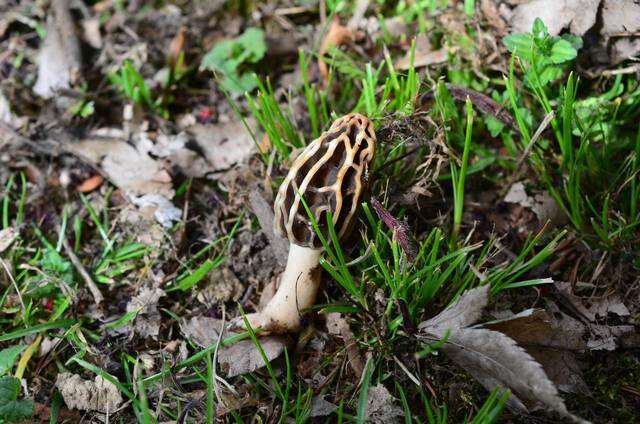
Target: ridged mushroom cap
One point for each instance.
(330, 174)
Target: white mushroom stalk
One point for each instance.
(330, 175)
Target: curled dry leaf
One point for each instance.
(59, 58)
(99, 395)
(400, 230)
(541, 203)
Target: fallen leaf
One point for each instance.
(99, 395)
(7, 116)
(337, 35)
(489, 353)
(147, 320)
(620, 17)
(90, 184)
(91, 32)
(144, 180)
(424, 55)
(577, 15)
(263, 210)
(203, 331)
(321, 407)
(337, 325)
(59, 58)
(381, 406)
(465, 311)
(549, 340)
(243, 357)
(221, 285)
(7, 236)
(493, 358)
(163, 210)
(224, 144)
(593, 308)
(541, 203)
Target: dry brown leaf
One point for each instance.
(203, 331)
(593, 308)
(321, 407)
(59, 57)
(337, 325)
(91, 32)
(620, 17)
(337, 35)
(147, 321)
(99, 395)
(489, 353)
(577, 15)
(263, 210)
(7, 236)
(550, 340)
(90, 184)
(224, 144)
(381, 406)
(143, 179)
(493, 358)
(541, 203)
(243, 357)
(465, 311)
(424, 55)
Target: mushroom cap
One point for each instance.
(330, 174)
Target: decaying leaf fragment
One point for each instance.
(59, 57)
(142, 178)
(577, 15)
(239, 358)
(493, 358)
(98, 395)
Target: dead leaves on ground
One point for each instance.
(492, 357)
(142, 167)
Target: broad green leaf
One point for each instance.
(563, 51)
(8, 357)
(519, 43)
(12, 409)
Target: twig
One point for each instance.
(95, 291)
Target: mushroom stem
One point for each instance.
(297, 291)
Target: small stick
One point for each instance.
(95, 291)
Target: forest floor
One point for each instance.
(492, 273)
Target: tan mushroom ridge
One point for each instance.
(330, 175)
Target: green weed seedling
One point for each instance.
(231, 58)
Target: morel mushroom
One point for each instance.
(330, 175)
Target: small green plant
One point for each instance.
(231, 58)
(12, 409)
(132, 85)
(545, 55)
